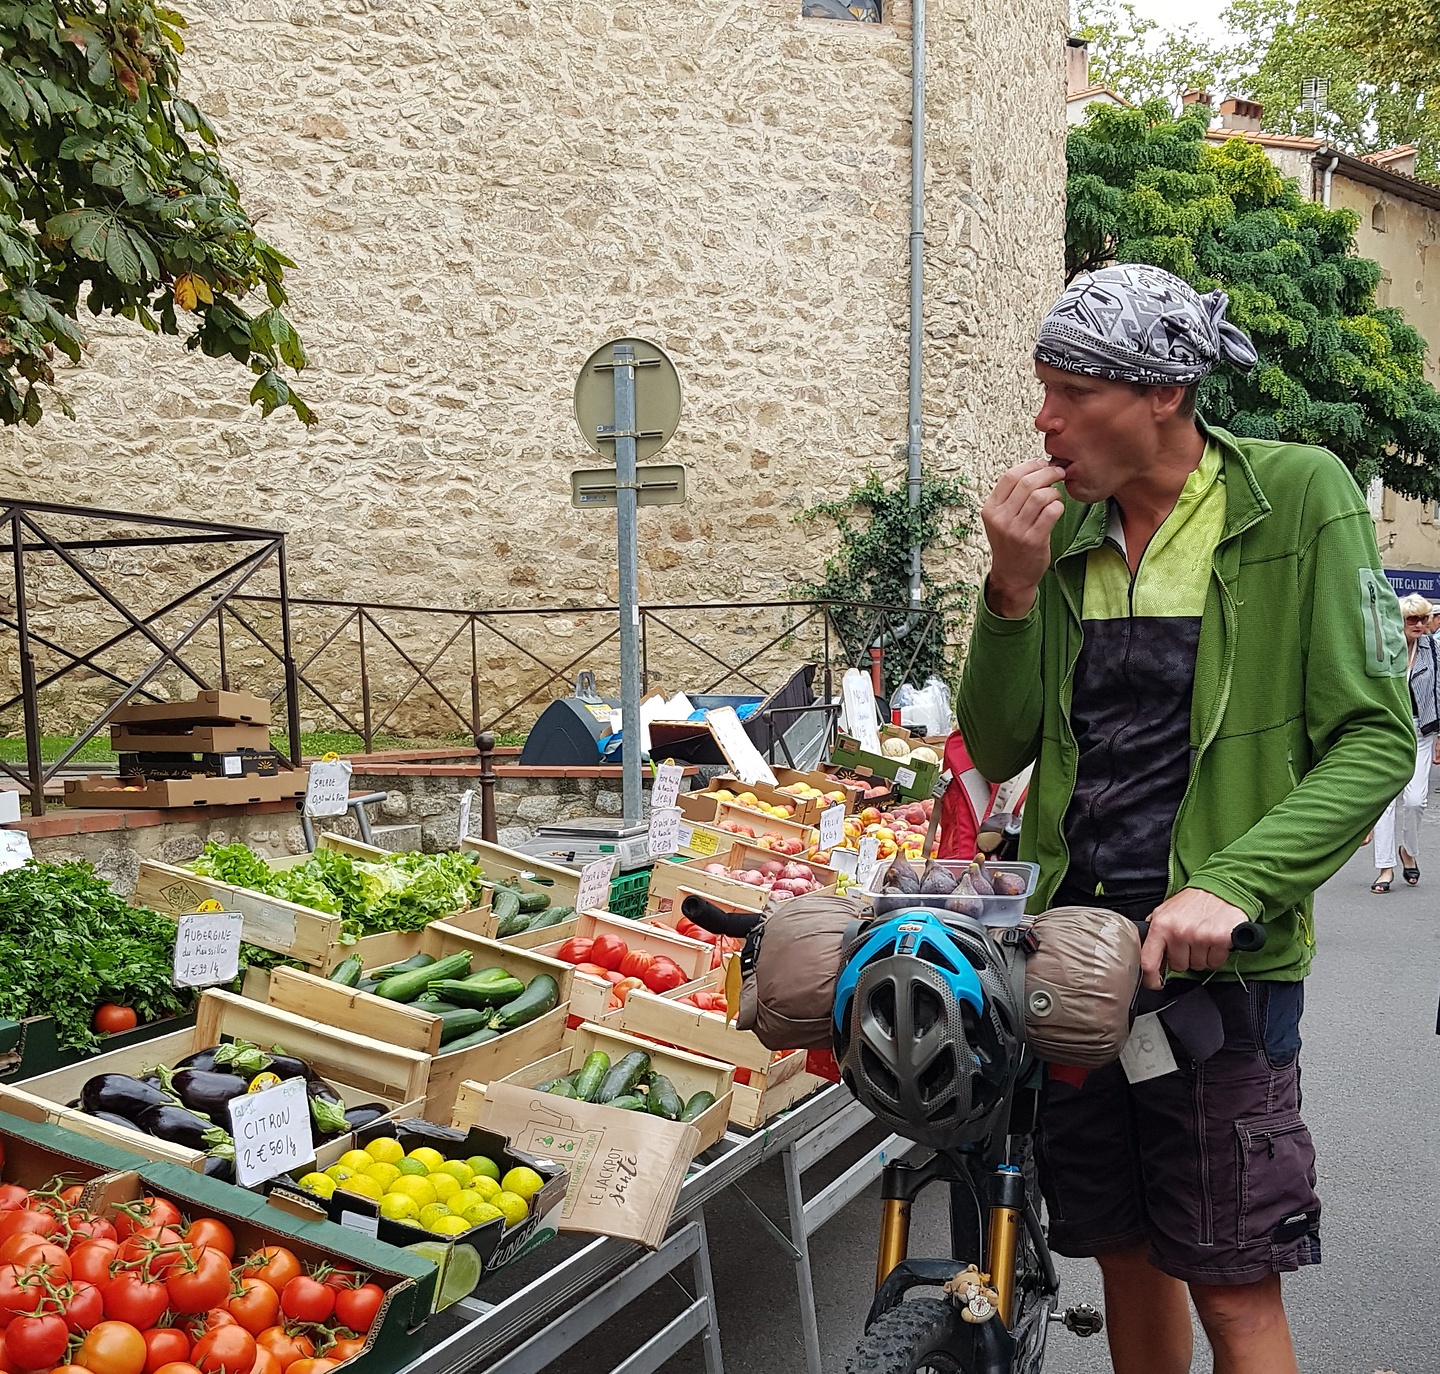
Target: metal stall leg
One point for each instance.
(800, 1239)
(705, 1288)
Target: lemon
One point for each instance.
(433, 1212)
(513, 1207)
(339, 1173)
(358, 1160)
(484, 1167)
(482, 1212)
(406, 1165)
(463, 1201)
(459, 1267)
(385, 1149)
(431, 1159)
(457, 1168)
(383, 1174)
(488, 1189)
(449, 1226)
(523, 1182)
(420, 1189)
(365, 1186)
(398, 1207)
(320, 1184)
(445, 1185)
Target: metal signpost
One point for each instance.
(628, 397)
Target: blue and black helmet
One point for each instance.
(926, 1026)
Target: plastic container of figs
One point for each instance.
(999, 911)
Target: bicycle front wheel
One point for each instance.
(923, 1334)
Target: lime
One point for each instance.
(457, 1168)
(385, 1149)
(449, 1226)
(321, 1185)
(383, 1174)
(358, 1160)
(445, 1185)
(482, 1212)
(398, 1207)
(418, 1188)
(433, 1212)
(484, 1167)
(488, 1189)
(463, 1201)
(431, 1159)
(407, 1165)
(523, 1182)
(366, 1187)
(514, 1207)
(339, 1172)
(459, 1267)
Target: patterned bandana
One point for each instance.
(1136, 323)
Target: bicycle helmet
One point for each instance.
(927, 1032)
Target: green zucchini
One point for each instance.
(368, 984)
(542, 995)
(592, 1072)
(505, 907)
(414, 961)
(435, 1004)
(467, 994)
(623, 1077)
(487, 975)
(347, 974)
(700, 1103)
(534, 901)
(552, 916)
(463, 1021)
(630, 1102)
(407, 986)
(468, 1042)
(561, 1088)
(662, 1099)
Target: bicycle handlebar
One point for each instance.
(1246, 938)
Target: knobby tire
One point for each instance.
(915, 1335)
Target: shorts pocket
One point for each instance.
(1277, 1174)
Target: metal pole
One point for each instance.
(485, 743)
(623, 357)
(292, 678)
(365, 722)
(31, 703)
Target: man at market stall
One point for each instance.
(1190, 636)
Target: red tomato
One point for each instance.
(286, 1348)
(130, 1298)
(664, 975)
(21, 1291)
(78, 1228)
(71, 1196)
(226, 1350)
(113, 1348)
(594, 970)
(313, 1366)
(622, 990)
(613, 976)
(356, 1307)
(48, 1259)
(178, 1367)
(165, 1345)
(273, 1263)
(84, 1307)
(637, 963)
(14, 1250)
(608, 951)
(149, 1211)
(160, 1246)
(575, 950)
(345, 1349)
(304, 1299)
(37, 1342)
(12, 1197)
(200, 1281)
(90, 1260)
(207, 1233)
(59, 1369)
(256, 1307)
(202, 1323)
(265, 1362)
(40, 1222)
(111, 1020)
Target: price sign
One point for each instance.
(859, 697)
(869, 857)
(466, 797)
(844, 861)
(664, 832)
(594, 890)
(207, 948)
(832, 825)
(904, 777)
(684, 835)
(328, 791)
(14, 849)
(272, 1132)
(666, 787)
(739, 749)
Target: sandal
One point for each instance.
(1411, 875)
(1381, 886)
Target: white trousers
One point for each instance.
(1411, 805)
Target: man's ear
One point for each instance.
(1165, 402)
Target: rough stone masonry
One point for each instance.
(479, 195)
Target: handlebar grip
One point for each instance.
(1246, 938)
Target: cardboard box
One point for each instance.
(361, 1069)
(237, 707)
(177, 738)
(159, 793)
(912, 781)
(36, 1153)
(31, 1046)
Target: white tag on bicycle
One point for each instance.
(1147, 1053)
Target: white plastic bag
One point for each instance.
(924, 708)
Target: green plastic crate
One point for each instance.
(628, 894)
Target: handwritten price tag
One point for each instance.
(666, 788)
(327, 793)
(832, 826)
(14, 849)
(207, 948)
(904, 777)
(869, 857)
(466, 797)
(594, 890)
(664, 833)
(272, 1132)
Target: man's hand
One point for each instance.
(1189, 932)
(1018, 518)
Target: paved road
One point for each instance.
(1371, 1064)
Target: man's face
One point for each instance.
(1104, 434)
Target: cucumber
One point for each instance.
(505, 906)
(562, 1088)
(435, 1004)
(463, 1021)
(487, 975)
(347, 974)
(630, 1102)
(623, 1077)
(466, 994)
(368, 984)
(542, 995)
(592, 1072)
(468, 1042)
(407, 986)
(663, 1100)
(534, 901)
(700, 1103)
(414, 961)
(552, 916)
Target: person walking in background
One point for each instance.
(1405, 811)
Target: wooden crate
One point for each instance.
(398, 1023)
(667, 879)
(360, 1068)
(563, 884)
(698, 841)
(690, 1073)
(732, 812)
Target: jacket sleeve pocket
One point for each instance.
(1381, 628)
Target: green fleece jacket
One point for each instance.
(1300, 730)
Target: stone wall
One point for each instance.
(478, 197)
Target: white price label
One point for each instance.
(666, 787)
(869, 857)
(904, 777)
(272, 1132)
(594, 893)
(14, 849)
(328, 791)
(207, 948)
(466, 797)
(1147, 1053)
(832, 825)
(684, 835)
(233, 765)
(664, 833)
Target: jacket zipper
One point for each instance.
(1375, 624)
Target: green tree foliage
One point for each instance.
(1138, 59)
(1334, 369)
(112, 197)
(872, 564)
(1391, 35)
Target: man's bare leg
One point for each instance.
(1147, 1316)
(1246, 1326)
